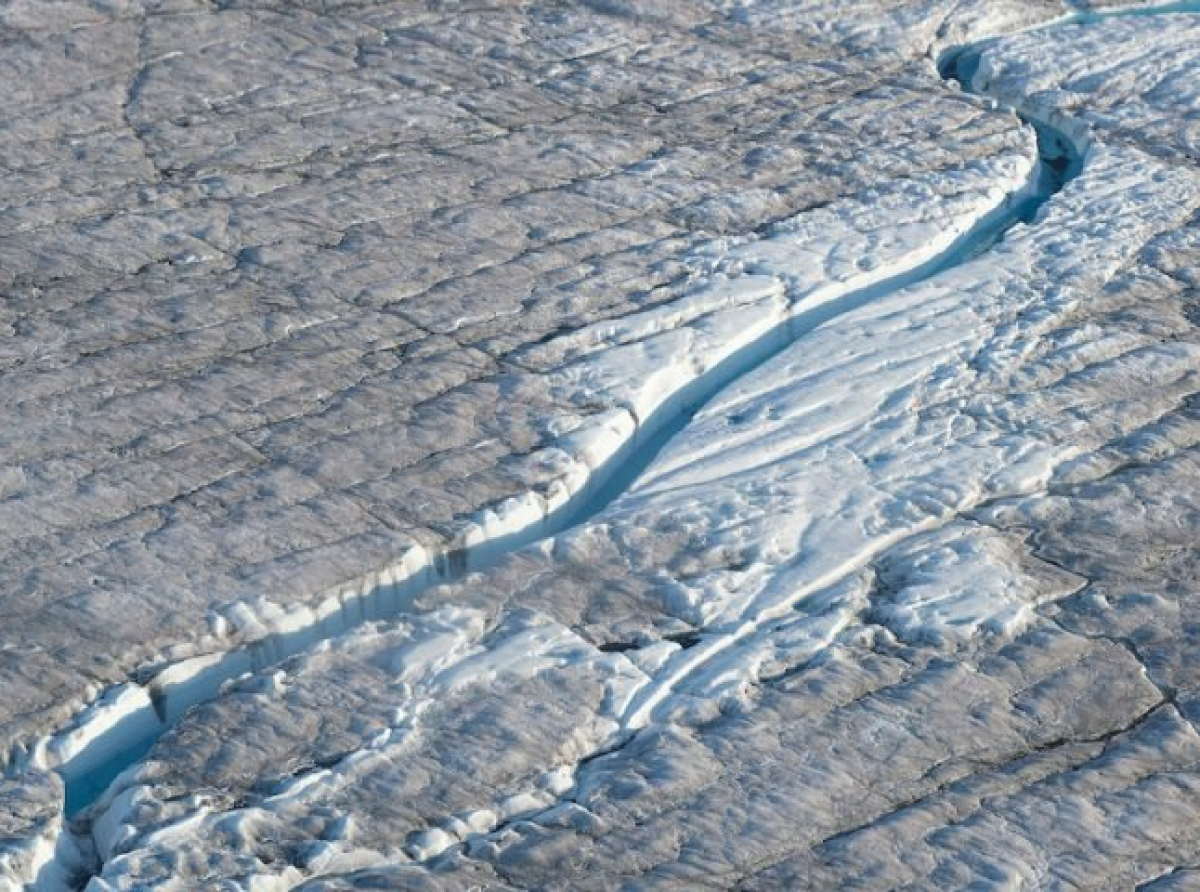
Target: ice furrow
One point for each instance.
(121, 723)
(637, 435)
(698, 658)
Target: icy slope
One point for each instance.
(908, 606)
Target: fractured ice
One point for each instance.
(607, 446)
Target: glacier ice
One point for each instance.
(906, 601)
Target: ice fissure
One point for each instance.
(123, 723)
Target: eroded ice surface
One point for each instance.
(276, 346)
(907, 605)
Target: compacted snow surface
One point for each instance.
(600, 445)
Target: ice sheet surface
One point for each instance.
(360, 294)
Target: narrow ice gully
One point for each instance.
(117, 729)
